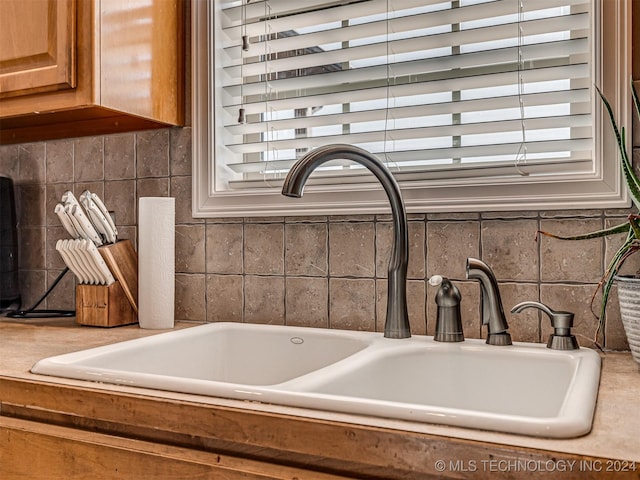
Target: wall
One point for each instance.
(317, 271)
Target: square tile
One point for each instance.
(88, 159)
(449, 244)
(190, 248)
(264, 300)
(571, 260)
(352, 304)
(152, 153)
(31, 163)
(224, 248)
(59, 161)
(120, 156)
(352, 249)
(264, 249)
(509, 247)
(307, 302)
(190, 297)
(224, 298)
(306, 249)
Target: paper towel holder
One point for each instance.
(156, 262)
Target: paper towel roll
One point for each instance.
(156, 262)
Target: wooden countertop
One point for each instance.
(343, 442)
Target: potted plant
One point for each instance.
(628, 286)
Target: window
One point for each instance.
(473, 104)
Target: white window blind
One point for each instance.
(464, 93)
(424, 84)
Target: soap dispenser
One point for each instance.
(562, 322)
(448, 318)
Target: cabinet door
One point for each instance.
(37, 46)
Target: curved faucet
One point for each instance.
(397, 321)
(492, 311)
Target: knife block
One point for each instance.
(116, 304)
(103, 306)
(122, 260)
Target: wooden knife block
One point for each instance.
(103, 306)
(115, 304)
(122, 260)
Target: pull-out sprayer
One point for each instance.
(492, 312)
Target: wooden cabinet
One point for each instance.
(37, 55)
(68, 432)
(86, 67)
(33, 450)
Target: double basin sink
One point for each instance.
(524, 388)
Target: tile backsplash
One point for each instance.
(313, 271)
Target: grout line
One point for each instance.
(327, 258)
(284, 271)
(244, 290)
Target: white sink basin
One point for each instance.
(524, 388)
(210, 354)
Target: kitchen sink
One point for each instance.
(524, 388)
(208, 355)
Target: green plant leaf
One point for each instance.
(629, 247)
(633, 221)
(623, 227)
(634, 95)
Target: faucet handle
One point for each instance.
(448, 318)
(561, 321)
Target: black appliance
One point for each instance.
(9, 284)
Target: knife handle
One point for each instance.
(87, 230)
